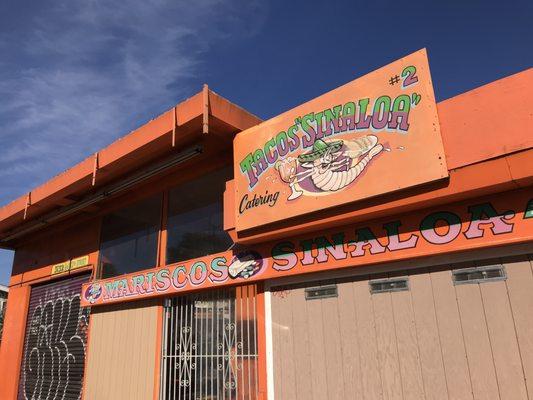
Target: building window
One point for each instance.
(195, 218)
(130, 238)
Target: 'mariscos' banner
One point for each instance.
(375, 135)
(495, 221)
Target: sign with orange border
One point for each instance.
(496, 221)
(375, 135)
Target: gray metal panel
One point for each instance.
(54, 349)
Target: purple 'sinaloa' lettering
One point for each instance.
(395, 243)
(429, 224)
(484, 215)
(326, 248)
(365, 237)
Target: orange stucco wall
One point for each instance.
(13, 341)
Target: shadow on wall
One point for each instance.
(55, 245)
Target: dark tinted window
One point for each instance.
(195, 218)
(130, 237)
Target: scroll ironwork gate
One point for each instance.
(210, 346)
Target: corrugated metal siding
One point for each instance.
(122, 352)
(436, 340)
(54, 348)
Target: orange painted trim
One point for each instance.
(95, 168)
(231, 113)
(205, 112)
(521, 167)
(30, 279)
(261, 342)
(96, 269)
(11, 351)
(163, 232)
(39, 275)
(229, 206)
(487, 122)
(15, 280)
(174, 126)
(158, 350)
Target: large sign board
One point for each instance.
(375, 135)
(496, 221)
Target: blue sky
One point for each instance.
(77, 74)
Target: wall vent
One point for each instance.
(321, 292)
(388, 285)
(486, 273)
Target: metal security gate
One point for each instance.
(54, 348)
(210, 346)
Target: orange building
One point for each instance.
(367, 244)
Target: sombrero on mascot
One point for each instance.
(320, 148)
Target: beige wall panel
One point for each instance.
(503, 341)
(477, 343)
(404, 321)
(370, 376)
(302, 361)
(137, 342)
(332, 347)
(144, 357)
(317, 359)
(451, 336)
(428, 336)
(277, 304)
(119, 357)
(520, 289)
(436, 341)
(350, 346)
(286, 332)
(120, 336)
(387, 346)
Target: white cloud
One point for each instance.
(90, 71)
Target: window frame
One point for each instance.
(162, 236)
(164, 225)
(99, 266)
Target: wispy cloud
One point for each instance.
(89, 71)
